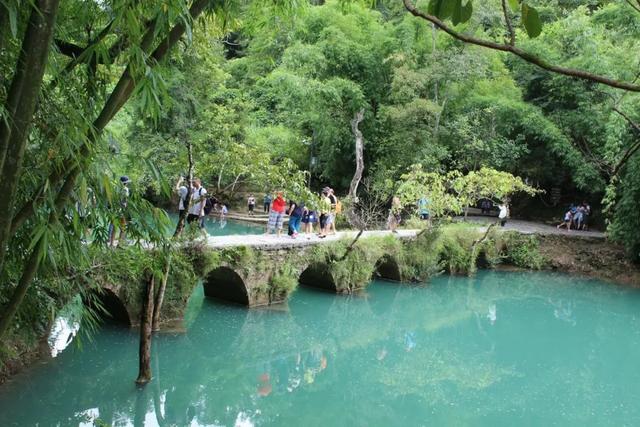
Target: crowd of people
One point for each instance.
(200, 205)
(302, 219)
(576, 217)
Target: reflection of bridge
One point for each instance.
(256, 270)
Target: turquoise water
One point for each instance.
(501, 349)
(216, 227)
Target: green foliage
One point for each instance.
(450, 193)
(523, 251)
(625, 204)
(283, 282)
(420, 259)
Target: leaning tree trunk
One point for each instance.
(146, 320)
(20, 106)
(157, 307)
(357, 176)
(187, 199)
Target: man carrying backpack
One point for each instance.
(198, 202)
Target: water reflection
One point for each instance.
(396, 355)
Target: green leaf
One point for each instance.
(456, 15)
(515, 5)
(466, 12)
(13, 18)
(531, 20)
(447, 7)
(442, 9)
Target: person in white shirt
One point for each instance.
(198, 199)
(504, 213)
(182, 191)
(251, 203)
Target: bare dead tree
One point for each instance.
(357, 133)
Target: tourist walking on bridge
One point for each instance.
(394, 219)
(276, 214)
(295, 216)
(198, 199)
(182, 191)
(325, 212)
(336, 208)
(266, 205)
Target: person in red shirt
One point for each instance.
(276, 214)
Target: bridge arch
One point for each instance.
(224, 283)
(318, 275)
(387, 268)
(110, 307)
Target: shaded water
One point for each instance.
(498, 349)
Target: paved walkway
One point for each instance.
(263, 241)
(528, 227)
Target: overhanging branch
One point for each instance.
(527, 56)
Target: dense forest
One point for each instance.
(262, 95)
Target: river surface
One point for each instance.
(500, 349)
(217, 227)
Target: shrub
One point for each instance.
(523, 251)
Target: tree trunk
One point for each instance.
(187, 200)
(434, 36)
(28, 273)
(32, 264)
(20, 106)
(357, 176)
(146, 320)
(157, 307)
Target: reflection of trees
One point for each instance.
(387, 356)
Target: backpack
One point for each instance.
(208, 203)
(338, 207)
(299, 210)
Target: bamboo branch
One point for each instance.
(633, 5)
(119, 96)
(527, 56)
(507, 20)
(20, 105)
(634, 147)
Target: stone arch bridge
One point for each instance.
(258, 270)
